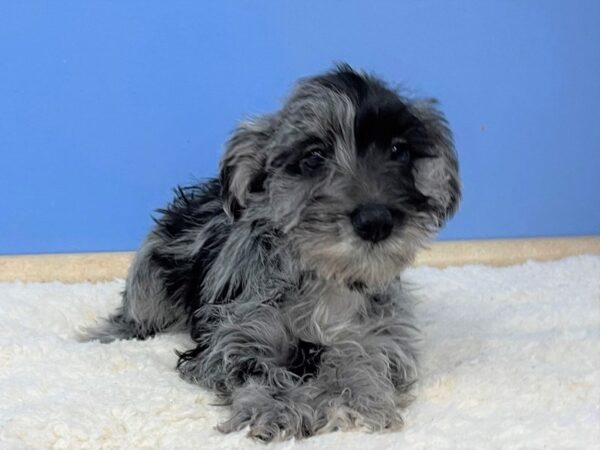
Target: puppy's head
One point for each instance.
(355, 176)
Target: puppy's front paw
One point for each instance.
(369, 412)
(269, 417)
(264, 424)
(374, 419)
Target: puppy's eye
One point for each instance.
(399, 150)
(312, 160)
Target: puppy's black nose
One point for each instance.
(372, 222)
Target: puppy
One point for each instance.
(285, 270)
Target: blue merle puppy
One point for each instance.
(285, 269)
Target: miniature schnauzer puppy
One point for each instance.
(286, 268)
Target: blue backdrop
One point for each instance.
(106, 105)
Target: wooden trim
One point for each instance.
(68, 268)
(73, 268)
(506, 252)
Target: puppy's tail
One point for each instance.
(145, 310)
(115, 327)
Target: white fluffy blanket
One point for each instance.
(510, 359)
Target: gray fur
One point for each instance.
(291, 269)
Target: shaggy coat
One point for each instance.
(285, 270)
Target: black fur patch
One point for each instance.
(188, 209)
(183, 277)
(306, 359)
(258, 182)
(380, 114)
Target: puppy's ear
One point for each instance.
(243, 163)
(438, 177)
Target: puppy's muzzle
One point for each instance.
(372, 222)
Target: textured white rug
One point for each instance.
(511, 359)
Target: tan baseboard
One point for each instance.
(506, 252)
(68, 268)
(73, 268)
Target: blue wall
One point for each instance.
(106, 105)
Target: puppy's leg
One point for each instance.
(235, 342)
(145, 311)
(274, 407)
(364, 380)
(248, 358)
